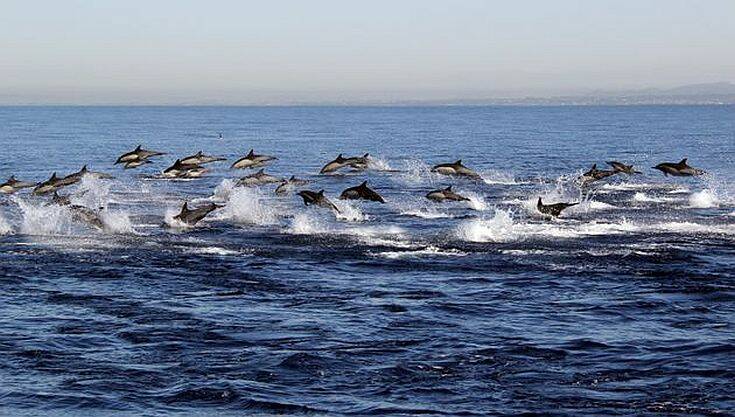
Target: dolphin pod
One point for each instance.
(191, 166)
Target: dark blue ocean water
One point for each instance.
(623, 306)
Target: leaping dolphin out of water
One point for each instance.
(136, 155)
(182, 170)
(317, 199)
(358, 163)
(455, 169)
(12, 185)
(193, 216)
(678, 169)
(445, 194)
(552, 209)
(50, 185)
(259, 178)
(200, 158)
(361, 192)
(287, 185)
(621, 167)
(595, 174)
(252, 160)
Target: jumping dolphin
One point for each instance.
(317, 199)
(259, 178)
(361, 192)
(50, 185)
(552, 209)
(287, 185)
(455, 168)
(181, 170)
(445, 194)
(192, 217)
(200, 158)
(80, 213)
(61, 200)
(680, 169)
(252, 160)
(73, 178)
(595, 174)
(12, 185)
(355, 162)
(136, 154)
(621, 167)
(136, 163)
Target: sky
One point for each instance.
(282, 51)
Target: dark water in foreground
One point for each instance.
(624, 306)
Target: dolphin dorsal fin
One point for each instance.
(293, 177)
(138, 148)
(200, 153)
(683, 161)
(185, 207)
(459, 162)
(364, 184)
(366, 155)
(84, 168)
(321, 192)
(251, 153)
(448, 188)
(539, 203)
(260, 172)
(594, 167)
(53, 176)
(12, 178)
(339, 156)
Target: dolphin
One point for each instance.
(192, 217)
(61, 200)
(356, 162)
(252, 160)
(595, 174)
(74, 178)
(552, 209)
(455, 168)
(136, 163)
(621, 167)
(259, 178)
(317, 199)
(50, 185)
(12, 185)
(181, 170)
(680, 169)
(136, 154)
(289, 184)
(361, 192)
(79, 213)
(445, 194)
(200, 158)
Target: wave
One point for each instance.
(641, 197)
(429, 251)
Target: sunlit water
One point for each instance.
(625, 305)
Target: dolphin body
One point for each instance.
(50, 185)
(252, 160)
(74, 178)
(259, 178)
(361, 192)
(317, 199)
(200, 158)
(621, 167)
(455, 169)
(193, 216)
(136, 163)
(552, 209)
(182, 170)
(445, 194)
(12, 185)
(358, 163)
(79, 213)
(136, 155)
(289, 184)
(595, 174)
(679, 169)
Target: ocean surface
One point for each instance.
(625, 305)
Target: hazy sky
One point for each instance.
(160, 51)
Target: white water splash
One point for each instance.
(500, 228)
(349, 212)
(170, 221)
(703, 199)
(641, 197)
(42, 219)
(495, 177)
(247, 205)
(476, 202)
(378, 164)
(5, 228)
(429, 251)
(117, 221)
(307, 223)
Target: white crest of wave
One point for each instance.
(703, 199)
(308, 223)
(348, 212)
(5, 228)
(43, 219)
(117, 221)
(429, 251)
(642, 197)
(500, 228)
(247, 205)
